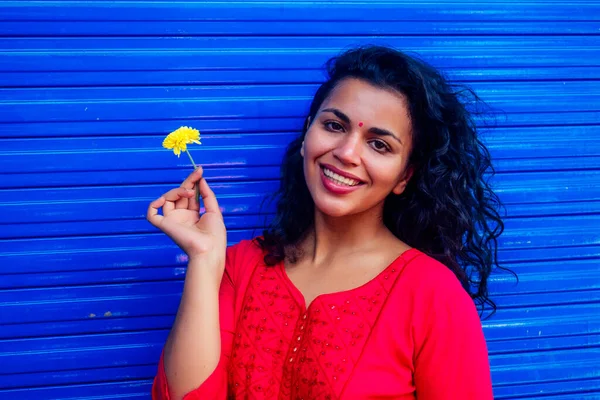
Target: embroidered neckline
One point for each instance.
(399, 262)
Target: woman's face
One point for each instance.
(356, 149)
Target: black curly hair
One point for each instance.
(448, 209)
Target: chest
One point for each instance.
(342, 276)
(283, 350)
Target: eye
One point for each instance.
(333, 126)
(380, 146)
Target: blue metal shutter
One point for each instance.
(88, 289)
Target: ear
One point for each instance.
(399, 188)
(307, 124)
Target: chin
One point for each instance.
(333, 208)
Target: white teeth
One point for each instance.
(340, 180)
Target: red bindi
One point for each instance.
(360, 124)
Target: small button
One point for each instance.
(304, 317)
(291, 359)
(295, 349)
(299, 338)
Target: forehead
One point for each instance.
(375, 106)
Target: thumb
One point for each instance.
(211, 204)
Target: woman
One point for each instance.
(360, 287)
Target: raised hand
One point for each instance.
(198, 236)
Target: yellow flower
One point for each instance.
(178, 141)
(180, 138)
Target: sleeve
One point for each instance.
(451, 358)
(215, 386)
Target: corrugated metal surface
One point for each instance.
(88, 89)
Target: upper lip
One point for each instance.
(342, 173)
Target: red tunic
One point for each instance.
(411, 332)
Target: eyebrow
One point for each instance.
(375, 130)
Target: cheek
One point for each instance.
(315, 144)
(386, 172)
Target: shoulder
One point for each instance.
(431, 279)
(440, 306)
(445, 329)
(247, 247)
(436, 293)
(241, 258)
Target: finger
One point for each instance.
(152, 214)
(173, 196)
(208, 197)
(193, 203)
(168, 207)
(182, 202)
(192, 178)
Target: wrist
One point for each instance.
(206, 268)
(206, 262)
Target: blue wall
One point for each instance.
(88, 89)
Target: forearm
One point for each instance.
(193, 348)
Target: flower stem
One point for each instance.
(197, 185)
(191, 159)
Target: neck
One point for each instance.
(339, 236)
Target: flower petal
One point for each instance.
(180, 138)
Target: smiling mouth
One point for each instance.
(338, 179)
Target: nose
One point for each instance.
(348, 150)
